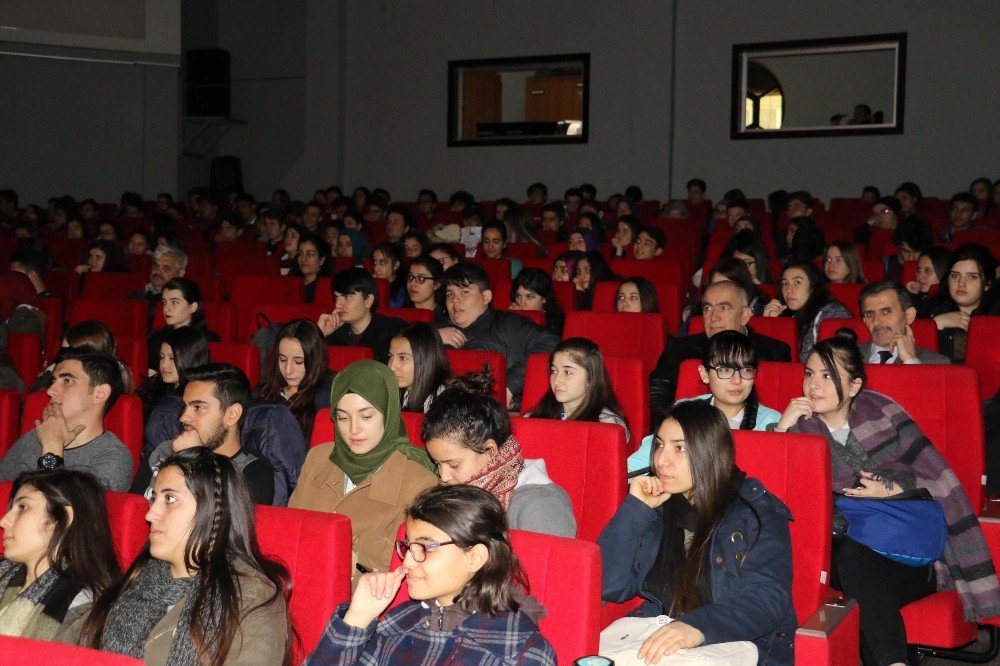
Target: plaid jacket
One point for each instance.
(404, 637)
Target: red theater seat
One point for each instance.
(847, 293)
(139, 263)
(474, 360)
(340, 356)
(244, 249)
(126, 318)
(565, 576)
(498, 270)
(232, 266)
(315, 547)
(129, 529)
(243, 355)
(628, 379)
(112, 286)
(779, 328)
(25, 351)
(52, 307)
(276, 313)
(409, 315)
(620, 334)
(132, 352)
(246, 290)
(585, 459)
(667, 297)
(10, 419)
(667, 271)
(124, 420)
(30, 652)
(983, 353)
(924, 331)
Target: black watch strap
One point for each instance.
(50, 461)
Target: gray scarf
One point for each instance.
(35, 593)
(143, 604)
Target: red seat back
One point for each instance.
(139, 263)
(129, 529)
(409, 315)
(133, 353)
(112, 286)
(796, 469)
(243, 355)
(924, 331)
(276, 313)
(847, 293)
(474, 360)
(30, 652)
(10, 418)
(221, 319)
(667, 297)
(983, 353)
(250, 289)
(628, 379)
(244, 249)
(779, 328)
(52, 307)
(233, 266)
(667, 271)
(566, 295)
(25, 350)
(620, 333)
(498, 270)
(315, 547)
(126, 318)
(565, 576)
(585, 459)
(124, 420)
(341, 356)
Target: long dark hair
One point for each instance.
(222, 534)
(80, 549)
(600, 394)
(819, 295)
(734, 350)
(600, 271)
(431, 367)
(987, 265)
(471, 516)
(391, 253)
(540, 282)
(322, 248)
(302, 405)
(114, 257)
(745, 242)
(190, 349)
(712, 459)
(842, 350)
(91, 335)
(191, 293)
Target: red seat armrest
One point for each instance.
(830, 636)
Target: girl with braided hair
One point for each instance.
(469, 438)
(200, 592)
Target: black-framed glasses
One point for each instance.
(418, 549)
(725, 372)
(419, 279)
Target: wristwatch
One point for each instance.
(50, 461)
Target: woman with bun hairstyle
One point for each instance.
(469, 438)
(58, 552)
(469, 600)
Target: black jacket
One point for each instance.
(380, 330)
(512, 335)
(663, 379)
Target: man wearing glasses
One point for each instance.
(725, 307)
(354, 321)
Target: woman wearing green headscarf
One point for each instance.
(370, 472)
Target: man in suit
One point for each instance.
(725, 306)
(887, 311)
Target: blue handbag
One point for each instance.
(908, 528)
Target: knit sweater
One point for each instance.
(104, 456)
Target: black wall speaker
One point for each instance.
(207, 86)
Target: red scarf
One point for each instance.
(499, 477)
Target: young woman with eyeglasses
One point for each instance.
(423, 283)
(464, 581)
(728, 368)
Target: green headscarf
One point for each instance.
(374, 382)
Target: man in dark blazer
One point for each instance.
(888, 311)
(726, 307)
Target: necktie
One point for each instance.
(884, 356)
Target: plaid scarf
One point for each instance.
(499, 477)
(896, 447)
(36, 610)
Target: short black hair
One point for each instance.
(965, 197)
(655, 233)
(914, 232)
(465, 273)
(589, 190)
(462, 197)
(800, 195)
(428, 193)
(697, 182)
(99, 368)
(572, 192)
(874, 190)
(230, 384)
(447, 249)
(555, 207)
(538, 186)
(31, 261)
(496, 226)
(407, 214)
(633, 192)
(355, 281)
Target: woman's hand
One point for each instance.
(649, 490)
(374, 593)
(83, 268)
(871, 486)
(774, 308)
(797, 408)
(669, 639)
(913, 287)
(952, 320)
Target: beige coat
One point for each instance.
(260, 642)
(375, 506)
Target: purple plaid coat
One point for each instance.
(404, 637)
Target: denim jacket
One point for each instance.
(751, 590)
